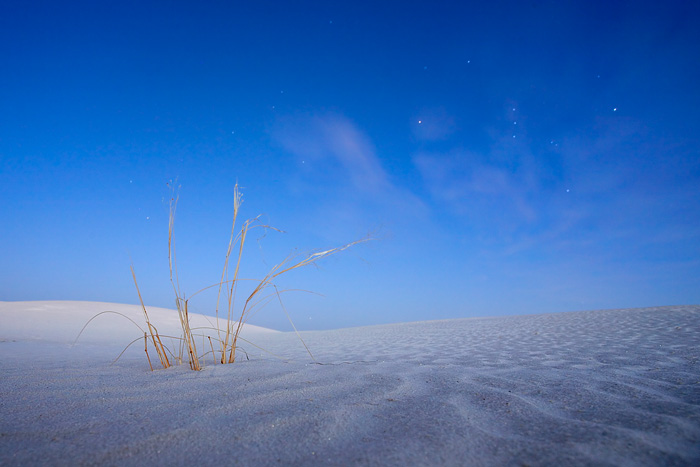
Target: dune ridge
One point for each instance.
(615, 387)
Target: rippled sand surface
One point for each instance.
(615, 387)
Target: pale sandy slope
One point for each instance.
(617, 387)
(113, 323)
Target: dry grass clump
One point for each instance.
(263, 291)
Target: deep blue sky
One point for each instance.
(510, 157)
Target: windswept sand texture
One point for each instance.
(619, 387)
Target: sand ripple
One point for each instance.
(618, 387)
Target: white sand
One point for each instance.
(618, 387)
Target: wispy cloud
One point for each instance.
(607, 184)
(333, 144)
(470, 187)
(339, 163)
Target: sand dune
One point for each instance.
(619, 387)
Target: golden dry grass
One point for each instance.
(263, 291)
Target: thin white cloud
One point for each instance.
(338, 163)
(334, 142)
(606, 184)
(468, 186)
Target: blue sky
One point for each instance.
(508, 157)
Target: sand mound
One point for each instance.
(617, 387)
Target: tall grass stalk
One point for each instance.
(264, 290)
(180, 301)
(155, 337)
